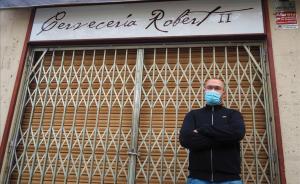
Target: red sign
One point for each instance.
(286, 17)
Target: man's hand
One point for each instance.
(195, 131)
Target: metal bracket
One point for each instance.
(132, 152)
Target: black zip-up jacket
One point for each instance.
(215, 150)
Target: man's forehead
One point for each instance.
(214, 82)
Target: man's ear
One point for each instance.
(224, 96)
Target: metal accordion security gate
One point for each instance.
(112, 114)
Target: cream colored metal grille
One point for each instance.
(113, 115)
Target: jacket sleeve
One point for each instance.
(191, 140)
(234, 130)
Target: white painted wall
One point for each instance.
(13, 27)
(286, 49)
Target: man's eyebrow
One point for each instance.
(215, 85)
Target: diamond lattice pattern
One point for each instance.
(75, 122)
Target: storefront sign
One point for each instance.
(286, 16)
(149, 19)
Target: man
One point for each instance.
(212, 134)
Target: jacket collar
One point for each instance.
(216, 107)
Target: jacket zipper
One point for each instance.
(211, 150)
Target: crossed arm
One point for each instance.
(206, 136)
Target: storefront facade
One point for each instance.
(102, 100)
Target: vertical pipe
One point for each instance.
(135, 116)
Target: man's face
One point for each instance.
(216, 85)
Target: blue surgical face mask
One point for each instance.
(212, 97)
